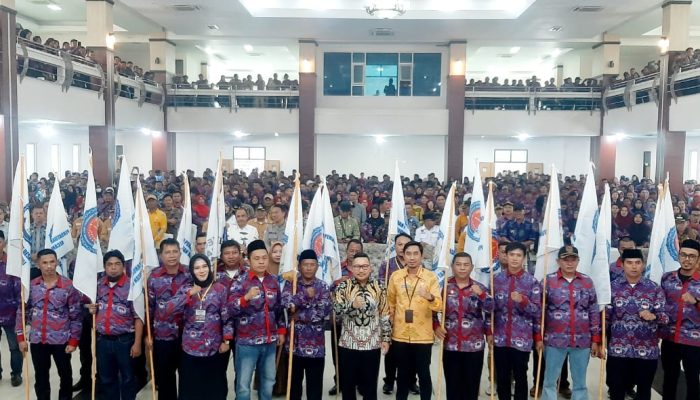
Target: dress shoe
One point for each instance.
(80, 386)
(565, 393)
(333, 391)
(387, 389)
(16, 380)
(414, 389)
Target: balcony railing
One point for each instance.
(532, 100)
(188, 95)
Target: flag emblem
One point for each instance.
(672, 244)
(474, 220)
(117, 213)
(317, 241)
(89, 230)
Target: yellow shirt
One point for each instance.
(403, 295)
(159, 224)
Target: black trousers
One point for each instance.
(412, 358)
(41, 359)
(338, 328)
(623, 373)
(202, 377)
(462, 374)
(672, 355)
(359, 369)
(563, 378)
(510, 361)
(390, 367)
(166, 359)
(85, 347)
(312, 369)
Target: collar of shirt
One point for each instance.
(577, 275)
(695, 276)
(251, 275)
(162, 271)
(120, 282)
(517, 274)
(40, 282)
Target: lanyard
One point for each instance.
(203, 298)
(405, 286)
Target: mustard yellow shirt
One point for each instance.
(403, 295)
(159, 224)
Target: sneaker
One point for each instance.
(631, 394)
(333, 391)
(80, 385)
(16, 380)
(565, 392)
(387, 389)
(414, 389)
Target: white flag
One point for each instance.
(319, 235)
(89, 259)
(122, 236)
(184, 231)
(663, 246)
(584, 238)
(480, 225)
(551, 237)
(145, 256)
(445, 246)
(398, 221)
(19, 250)
(293, 232)
(58, 235)
(216, 224)
(600, 268)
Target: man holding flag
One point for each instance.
(10, 297)
(58, 229)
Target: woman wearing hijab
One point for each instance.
(639, 231)
(206, 335)
(624, 219)
(371, 226)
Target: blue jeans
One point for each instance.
(578, 361)
(115, 372)
(250, 358)
(15, 354)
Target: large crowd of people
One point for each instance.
(200, 317)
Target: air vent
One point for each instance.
(220, 57)
(381, 32)
(213, 27)
(185, 7)
(254, 54)
(587, 9)
(556, 28)
(505, 55)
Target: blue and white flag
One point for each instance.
(19, 249)
(398, 221)
(122, 236)
(58, 236)
(216, 223)
(88, 262)
(584, 238)
(551, 237)
(663, 246)
(445, 246)
(600, 268)
(145, 257)
(293, 232)
(185, 231)
(480, 225)
(319, 235)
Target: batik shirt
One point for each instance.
(53, 314)
(517, 325)
(616, 271)
(518, 231)
(394, 265)
(630, 335)
(115, 313)
(684, 318)
(309, 335)
(10, 294)
(261, 319)
(572, 316)
(161, 287)
(227, 279)
(206, 318)
(368, 327)
(466, 316)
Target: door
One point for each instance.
(487, 169)
(646, 167)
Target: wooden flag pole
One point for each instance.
(603, 352)
(544, 298)
(295, 242)
(93, 345)
(337, 359)
(492, 364)
(148, 316)
(446, 243)
(26, 340)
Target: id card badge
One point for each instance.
(408, 316)
(200, 315)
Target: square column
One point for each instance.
(9, 130)
(455, 109)
(307, 107)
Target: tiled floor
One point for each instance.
(7, 392)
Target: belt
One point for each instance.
(116, 337)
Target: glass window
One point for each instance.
(406, 57)
(381, 74)
(358, 58)
(249, 158)
(75, 158)
(55, 158)
(518, 156)
(31, 158)
(510, 160)
(426, 74)
(336, 74)
(501, 156)
(358, 90)
(358, 74)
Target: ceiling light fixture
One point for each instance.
(556, 52)
(248, 48)
(47, 131)
(514, 50)
(53, 7)
(663, 45)
(523, 137)
(240, 134)
(386, 9)
(556, 28)
(213, 27)
(380, 139)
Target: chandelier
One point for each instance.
(386, 9)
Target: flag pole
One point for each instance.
(295, 242)
(492, 364)
(93, 345)
(603, 357)
(446, 243)
(24, 295)
(148, 314)
(544, 292)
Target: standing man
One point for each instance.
(636, 311)
(275, 229)
(616, 270)
(346, 227)
(119, 331)
(10, 296)
(361, 303)
(172, 213)
(429, 232)
(572, 324)
(518, 229)
(260, 221)
(255, 301)
(359, 212)
(681, 336)
(413, 297)
(309, 308)
(239, 230)
(159, 222)
(53, 314)
(517, 322)
(38, 233)
(164, 283)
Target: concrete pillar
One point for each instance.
(455, 108)
(560, 75)
(606, 56)
(162, 57)
(604, 147)
(307, 107)
(9, 131)
(99, 39)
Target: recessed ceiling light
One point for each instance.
(514, 50)
(208, 50)
(53, 7)
(248, 48)
(556, 52)
(380, 139)
(240, 134)
(277, 134)
(523, 137)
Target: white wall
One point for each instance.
(44, 100)
(354, 154)
(137, 149)
(250, 120)
(65, 137)
(629, 159)
(381, 121)
(544, 123)
(199, 151)
(569, 154)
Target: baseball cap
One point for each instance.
(151, 197)
(268, 196)
(109, 189)
(567, 251)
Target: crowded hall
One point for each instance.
(343, 199)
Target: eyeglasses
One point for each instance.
(362, 266)
(688, 256)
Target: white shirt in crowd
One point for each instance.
(243, 235)
(429, 236)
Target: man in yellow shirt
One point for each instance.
(159, 221)
(413, 294)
